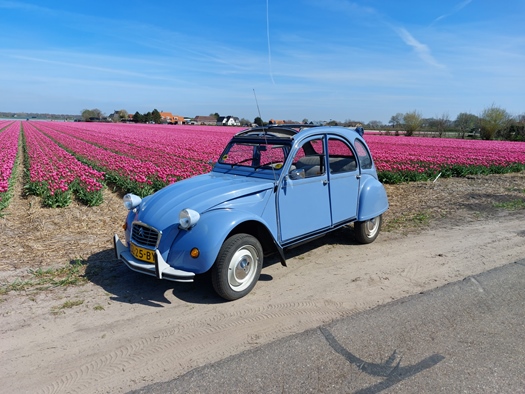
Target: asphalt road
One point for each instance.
(465, 337)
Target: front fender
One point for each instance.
(207, 235)
(373, 200)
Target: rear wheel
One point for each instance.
(237, 267)
(367, 231)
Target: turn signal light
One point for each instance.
(195, 253)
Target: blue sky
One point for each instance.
(315, 59)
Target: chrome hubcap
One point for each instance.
(371, 227)
(242, 268)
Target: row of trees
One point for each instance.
(492, 123)
(96, 115)
(148, 117)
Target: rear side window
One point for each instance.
(340, 157)
(364, 156)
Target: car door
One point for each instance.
(343, 172)
(303, 196)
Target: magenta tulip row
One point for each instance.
(421, 154)
(143, 153)
(9, 134)
(52, 165)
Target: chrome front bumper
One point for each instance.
(160, 269)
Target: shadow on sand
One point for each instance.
(125, 285)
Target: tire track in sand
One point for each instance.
(205, 340)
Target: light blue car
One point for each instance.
(273, 187)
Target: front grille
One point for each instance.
(145, 235)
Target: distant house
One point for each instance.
(205, 120)
(283, 121)
(168, 117)
(228, 121)
(116, 116)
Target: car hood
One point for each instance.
(200, 193)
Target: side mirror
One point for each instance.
(297, 174)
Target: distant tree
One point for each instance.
(428, 123)
(492, 120)
(304, 121)
(396, 121)
(91, 114)
(148, 117)
(441, 123)
(156, 117)
(331, 123)
(216, 115)
(98, 113)
(85, 114)
(412, 122)
(466, 122)
(375, 124)
(138, 118)
(258, 121)
(244, 122)
(514, 130)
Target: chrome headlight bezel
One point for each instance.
(131, 201)
(188, 218)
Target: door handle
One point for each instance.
(325, 182)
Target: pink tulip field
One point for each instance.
(9, 134)
(54, 173)
(65, 159)
(403, 159)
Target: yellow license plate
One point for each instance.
(142, 254)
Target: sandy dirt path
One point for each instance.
(128, 330)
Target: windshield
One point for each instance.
(255, 155)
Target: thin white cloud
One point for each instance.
(458, 7)
(422, 50)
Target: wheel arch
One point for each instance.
(258, 230)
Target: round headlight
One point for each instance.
(188, 218)
(131, 201)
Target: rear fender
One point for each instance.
(373, 200)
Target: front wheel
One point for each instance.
(367, 231)
(237, 267)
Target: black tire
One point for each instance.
(367, 231)
(237, 267)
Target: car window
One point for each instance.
(364, 156)
(310, 158)
(272, 155)
(340, 157)
(254, 155)
(238, 153)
